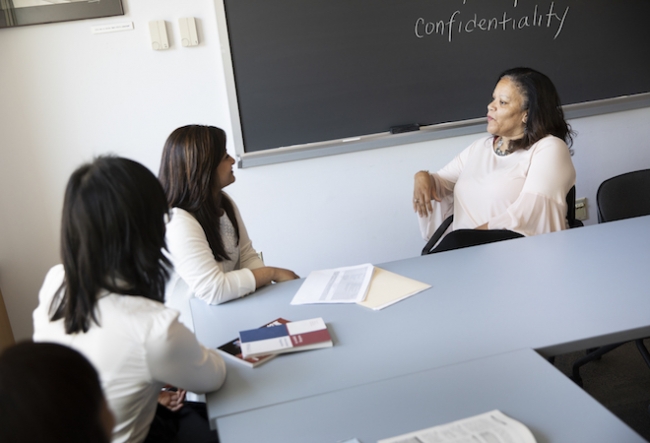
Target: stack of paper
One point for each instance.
(340, 285)
(492, 427)
(366, 285)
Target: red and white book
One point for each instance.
(232, 349)
(291, 337)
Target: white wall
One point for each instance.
(66, 95)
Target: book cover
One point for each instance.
(232, 349)
(289, 337)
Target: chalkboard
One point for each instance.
(308, 71)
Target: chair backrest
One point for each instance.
(571, 209)
(624, 196)
(6, 335)
(463, 238)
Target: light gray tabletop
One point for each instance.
(555, 293)
(521, 384)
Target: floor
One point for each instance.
(620, 381)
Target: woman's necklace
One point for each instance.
(497, 148)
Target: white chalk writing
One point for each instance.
(463, 22)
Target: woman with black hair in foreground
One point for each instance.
(106, 299)
(51, 393)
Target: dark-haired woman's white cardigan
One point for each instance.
(197, 273)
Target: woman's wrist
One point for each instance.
(263, 276)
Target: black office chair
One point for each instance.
(462, 238)
(571, 219)
(624, 196)
(618, 198)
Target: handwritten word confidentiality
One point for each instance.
(459, 23)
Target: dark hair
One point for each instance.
(541, 100)
(112, 237)
(49, 392)
(188, 173)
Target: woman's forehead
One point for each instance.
(507, 88)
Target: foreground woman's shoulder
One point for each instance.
(143, 313)
(56, 272)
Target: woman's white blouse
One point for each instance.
(524, 192)
(137, 348)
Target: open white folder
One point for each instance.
(387, 288)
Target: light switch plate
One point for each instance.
(189, 36)
(158, 32)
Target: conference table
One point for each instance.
(488, 308)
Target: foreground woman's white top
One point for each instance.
(137, 348)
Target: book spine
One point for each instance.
(269, 346)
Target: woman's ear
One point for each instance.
(525, 119)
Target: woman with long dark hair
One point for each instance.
(518, 177)
(51, 393)
(213, 257)
(106, 299)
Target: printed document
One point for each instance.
(340, 285)
(491, 427)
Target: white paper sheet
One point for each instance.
(491, 427)
(340, 285)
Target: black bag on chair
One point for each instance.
(463, 238)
